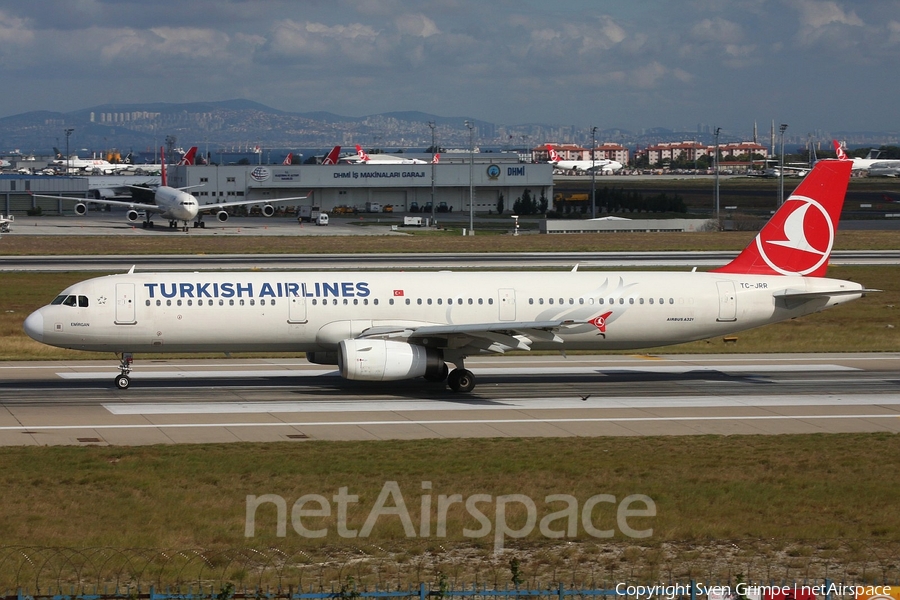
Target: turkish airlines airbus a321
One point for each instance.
(383, 326)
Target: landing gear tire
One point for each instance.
(439, 376)
(461, 380)
(123, 381)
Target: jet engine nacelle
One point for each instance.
(268, 210)
(132, 215)
(81, 209)
(387, 360)
(222, 216)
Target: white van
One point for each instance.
(323, 219)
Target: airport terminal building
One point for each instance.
(402, 186)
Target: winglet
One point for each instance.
(799, 237)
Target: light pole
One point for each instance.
(593, 173)
(433, 152)
(718, 130)
(68, 131)
(471, 127)
(781, 128)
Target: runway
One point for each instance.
(205, 401)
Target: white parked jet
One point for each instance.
(384, 326)
(602, 165)
(175, 204)
(383, 159)
(874, 166)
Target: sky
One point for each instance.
(831, 65)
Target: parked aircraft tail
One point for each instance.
(162, 161)
(188, 159)
(332, 158)
(437, 159)
(361, 154)
(289, 159)
(799, 237)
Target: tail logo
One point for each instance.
(600, 322)
(805, 240)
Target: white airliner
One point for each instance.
(383, 159)
(603, 165)
(175, 204)
(874, 166)
(104, 167)
(384, 326)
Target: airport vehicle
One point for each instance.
(175, 204)
(6, 222)
(322, 219)
(308, 213)
(602, 165)
(385, 326)
(874, 166)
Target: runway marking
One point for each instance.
(448, 422)
(551, 370)
(556, 403)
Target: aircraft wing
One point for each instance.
(489, 337)
(223, 205)
(135, 205)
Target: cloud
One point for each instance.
(14, 30)
(824, 21)
(416, 25)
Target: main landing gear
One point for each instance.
(461, 380)
(122, 379)
(173, 224)
(148, 224)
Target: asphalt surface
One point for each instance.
(194, 401)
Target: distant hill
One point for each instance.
(242, 123)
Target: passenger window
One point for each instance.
(651, 300)
(449, 300)
(531, 301)
(355, 301)
(540, 300)
(440, 300)
(621, 300)
(562, 300)
(148, 303)
(662, 300)
(641, 301)
(419, 302)
(158, 302)
(366, 301)
(601, 301)
(231, 302)
(178, 302)
(408, 302)
(241, 302)
(346, 302)
(391, 301)
(221, 302)
(375, 301)
(314, 301)
(550, 301)
(581, 301)
(252, 302)
(671, 300)
(429, 302)
(262, 302)
(631, 301)
(481, 301)
(168, 303)
(490, 300)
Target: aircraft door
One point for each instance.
(125, 304)
(297, 309)
(727, 301)
(507, 297)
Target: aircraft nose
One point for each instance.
(34, 326)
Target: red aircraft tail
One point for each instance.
(332, 158)
(798, 238)
(162, 161)
(189, 157)
(554, 157)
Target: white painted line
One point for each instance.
(549, 370)
(449, 422)
(461, 404)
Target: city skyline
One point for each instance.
(814, 64)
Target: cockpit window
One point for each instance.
(58, 300)
(82, 301)
(71, 301)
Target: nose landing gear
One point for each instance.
(122, 379)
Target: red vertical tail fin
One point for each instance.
(798, 238)
(554, 156)
(188, 158)
(332, 158)
(162, 161)
(361, 154)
